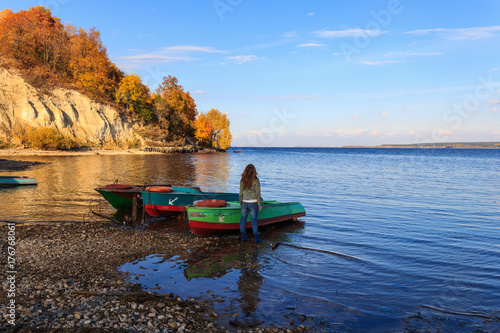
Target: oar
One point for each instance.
(275, 246)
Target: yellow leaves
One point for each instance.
(203, 129)
(43, 138)
(134, 95)
(89, 64)
(220, 136)
(176, 106)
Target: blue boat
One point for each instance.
(16, 181)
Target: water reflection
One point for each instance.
(249, 284)
(66, 183)
(212, 171)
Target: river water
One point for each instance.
(420, 227)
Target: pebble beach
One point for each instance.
(64, 278)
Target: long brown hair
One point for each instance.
(248, 176)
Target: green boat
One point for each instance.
(166, 201)
(120, 196)
(16, 181)
(207, 221)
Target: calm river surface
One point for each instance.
(423, 225)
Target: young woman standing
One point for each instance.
(250, 201)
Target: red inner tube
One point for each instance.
(118, 186)
(210, 203)
(161, 189)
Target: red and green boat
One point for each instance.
(163, 201)
(7, 181)
(120, 196)
(207, 221)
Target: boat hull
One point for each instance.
(121, 198)
(207, 221)
(162, 204)
(7, 181)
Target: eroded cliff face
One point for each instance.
(70, 112)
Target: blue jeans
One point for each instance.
(253, 209)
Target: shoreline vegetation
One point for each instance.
(50, 56)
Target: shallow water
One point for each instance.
(424, 225)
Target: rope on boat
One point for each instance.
(275, 246)
(95, 208)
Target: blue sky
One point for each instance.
(314, 73)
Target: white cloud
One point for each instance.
(240, 59)
(379, 63)
(290, 34)
(157, 57)
(383, 114)
(167, 54)
(305, 97)
(493, 101)
(191, 48)
(495, 69)
(311, 45)
(310, 14)
(349, 33)
(414, 54)
(201, 92)
(460, 34)
(494, 110)
(350, 133)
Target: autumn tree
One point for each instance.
(134, 96)
(203, 130)
(177, 107)
(34, 38)
(221, 136)
(90, 66)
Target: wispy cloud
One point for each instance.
(201, 92)
(349, 33)
(311, 45)
(414, 54)
(191, 48)
(383, 114)
(310, 14)
(493, 101)
(290, 34)
(305, 97)
(241, 59)
(380, 63)
(167, 54)
(460, 34)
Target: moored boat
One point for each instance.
(166, 201)
(120, 196)
(207, 221)
(17, 181)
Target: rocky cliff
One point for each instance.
(70, 112)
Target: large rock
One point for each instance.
(70, 112)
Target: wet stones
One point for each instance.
(68, 281)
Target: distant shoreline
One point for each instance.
(479, 145)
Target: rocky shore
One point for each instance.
(64, 278)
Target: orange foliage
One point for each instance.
(177, 105)
(89, 64)
(33, 37)
(204, 130)
(37, 41)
